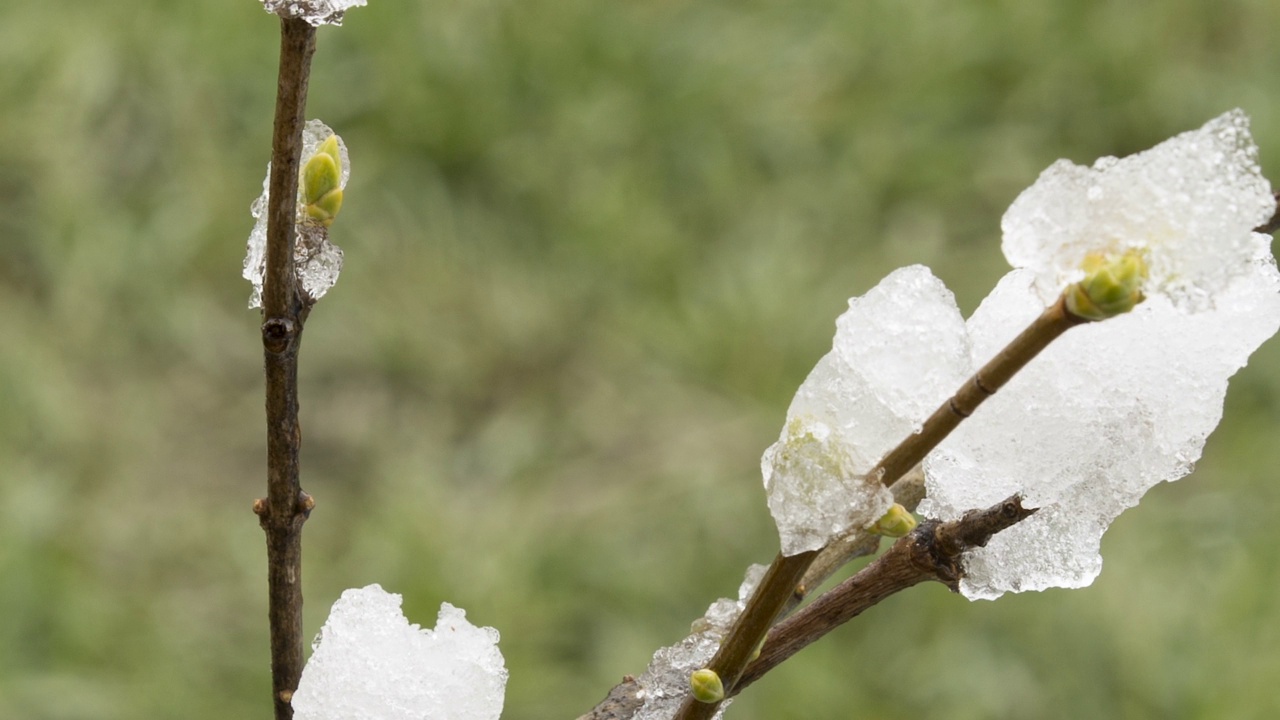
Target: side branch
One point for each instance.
(286, 507)
(931, 552)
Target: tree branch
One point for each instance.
(932, 551)
(782, 583)
(286, 507)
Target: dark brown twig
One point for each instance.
(931, 552)
(286, 507)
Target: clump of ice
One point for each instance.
(665, 683)
(316, 261)
(369, 662)
(899, 351)
(1189, 203)
(1106, 412)
(316, 12)
(1111, 408)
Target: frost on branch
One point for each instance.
(316, 261)
(899, 351)
(665, 683)
(1189, 204)
(1112, 408)
(315, 12)
(369, 662)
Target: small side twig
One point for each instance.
(931, 552)
(286, 507)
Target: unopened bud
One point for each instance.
(1112, 285)
(895, 523)
(706, 686)
(321, 177)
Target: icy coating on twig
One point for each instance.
(665, 683)
(1189, 204)
(316, 261)
(315, 12)
(899, 351)
(369, 662)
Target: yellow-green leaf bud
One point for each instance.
(706, 686)
(321, 180)
(1112, 285)
(326, 208)
(895, 523)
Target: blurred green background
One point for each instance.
(592, 249)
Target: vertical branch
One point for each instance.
(286, 507)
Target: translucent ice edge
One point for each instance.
(316, 261)
(369, 662)
(315, 12)
(899, 351)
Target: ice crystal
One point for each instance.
(316, 12)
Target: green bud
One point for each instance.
(895, 523)
(1112, 285)
(326, 208)
(321, 177)
(706, 686)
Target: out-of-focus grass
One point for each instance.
(592, 248)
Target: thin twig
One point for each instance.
(931, 552)
(782, 583)
(285, 509)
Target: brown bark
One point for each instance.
(286, 507)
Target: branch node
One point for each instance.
(278, 335)
(261, 507)
(306, 503)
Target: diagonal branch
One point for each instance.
(286, 507)
(931, 552)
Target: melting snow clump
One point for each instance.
(316, 12)
(899, 351)
(316, 261)
(369, 662)
(1189, 204)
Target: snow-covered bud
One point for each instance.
(1112, 285)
